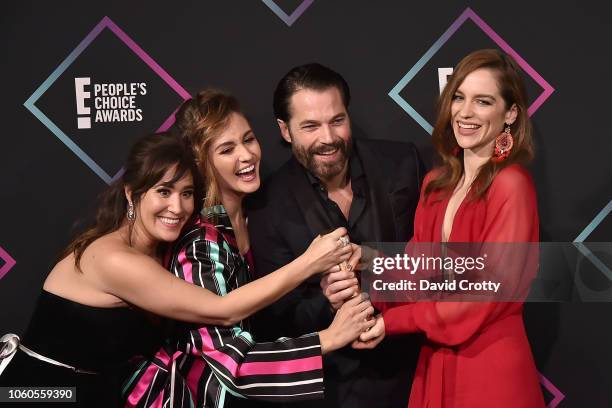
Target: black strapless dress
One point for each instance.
(107, 341)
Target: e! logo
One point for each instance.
(443, 74)
(81, 95)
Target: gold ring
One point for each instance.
(344, 241)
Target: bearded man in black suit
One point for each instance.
(370, 187)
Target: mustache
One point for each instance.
(326, 147)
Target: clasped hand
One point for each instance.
(340, 284)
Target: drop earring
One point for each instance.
(503, 145)
(131, 215)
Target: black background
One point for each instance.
(243, 47)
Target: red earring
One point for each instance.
(503, 145)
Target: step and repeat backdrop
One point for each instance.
(83, 80)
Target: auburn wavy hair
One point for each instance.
(512, 89)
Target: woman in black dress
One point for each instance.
(96, 315)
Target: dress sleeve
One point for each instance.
(274, 371)
(512, 218)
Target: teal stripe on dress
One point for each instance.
(226, 389)
(221, 397)
(238, 331)
(247, 336)
(128, 383)
(218, 274)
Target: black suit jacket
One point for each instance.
(285, 216)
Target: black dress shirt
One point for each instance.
(360, 220)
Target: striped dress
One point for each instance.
(209, 366)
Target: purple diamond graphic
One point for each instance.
(558, 396)
(9, 262)
(468, 14)
(288, 19)
(105, 23)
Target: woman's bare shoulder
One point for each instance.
(110, 253)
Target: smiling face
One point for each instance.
(319, 131)
(164, 209)
(478, 112)
(235, 155)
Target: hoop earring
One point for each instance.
(503, 145)
(131, 214)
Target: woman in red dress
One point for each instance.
(475, 354)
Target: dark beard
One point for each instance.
(323, 171)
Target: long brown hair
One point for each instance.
(512, 89)
(199, 120)
(149, 159)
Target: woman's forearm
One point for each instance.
(254, 296)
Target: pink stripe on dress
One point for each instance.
(147, 380)
(194, 376)
(211, 233)
(279, 367)
(186, 265)
(141, 388)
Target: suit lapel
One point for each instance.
(308, 203)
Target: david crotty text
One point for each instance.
(426, 285)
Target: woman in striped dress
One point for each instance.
(221, 365)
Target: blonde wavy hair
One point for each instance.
(199, 120)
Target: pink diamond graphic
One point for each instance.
(8, 260)
(558, 396)
(467, 15)
(105, 23)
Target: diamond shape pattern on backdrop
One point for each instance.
(557, 395)
(289, 19)
(468, 14)
(6, 262)
(578, 242)
(105, 23)
(594, 223)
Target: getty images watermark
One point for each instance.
(505, 272)
(412, 264)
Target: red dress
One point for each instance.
(483, 358)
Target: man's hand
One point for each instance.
(371, 338)
(339, 287)
(339, 284)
